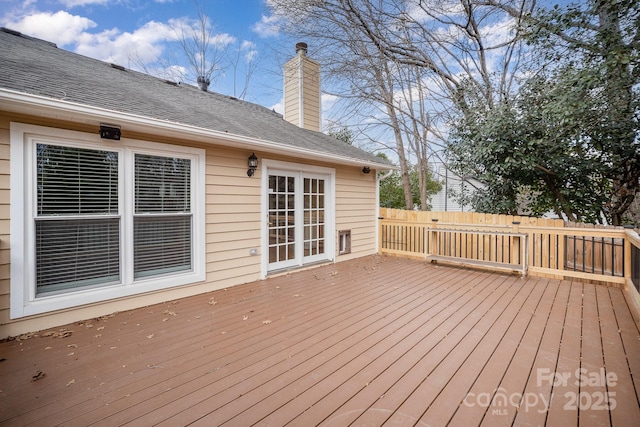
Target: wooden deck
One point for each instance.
(375, 341)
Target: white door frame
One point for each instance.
(272, 167)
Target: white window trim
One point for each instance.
(23, 301)
(330, 206)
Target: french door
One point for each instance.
(297, 218)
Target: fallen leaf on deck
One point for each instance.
(61, 333)
(25, 337)
(266, 322)
(71, 382)
(150, 336)
(38, 376)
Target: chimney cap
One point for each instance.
(301, 46)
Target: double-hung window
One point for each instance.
(162, 219)
(77, 219)
(101, 219)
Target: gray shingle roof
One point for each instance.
(38, 67)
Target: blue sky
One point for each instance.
(141, 35)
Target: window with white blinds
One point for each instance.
(94, 219)
(78, 223)
(162, 218)
(77, 226)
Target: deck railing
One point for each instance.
(527, 245)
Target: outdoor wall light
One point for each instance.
(253, 164)
(366, 169)
(109, 131)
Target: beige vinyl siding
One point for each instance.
(356, 210)
(233, 226)
(311, 94)
(292, 92)
(233, 217)
(301, 67)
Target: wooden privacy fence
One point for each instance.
(538, 246)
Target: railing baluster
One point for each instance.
(593, 254)
(613, 257)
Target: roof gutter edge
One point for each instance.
(25, 103)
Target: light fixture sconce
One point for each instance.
(366, 169)
(109, 131)
(253, 164)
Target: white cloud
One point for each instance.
(269, 26)
(425, 11)
(498, 32)
(174, 73)
(60, 27)
(129, 49)
(328, 101)
(250, 50)
(247, 45)
(278, 107)
(74, 3)
(223, 40)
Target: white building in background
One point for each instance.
(451, 183)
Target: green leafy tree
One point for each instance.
(341, 133)
(535, 151)
(392, 190)
(569, 140)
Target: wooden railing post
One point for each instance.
(434, 237)
(627, 254)
(515, 248)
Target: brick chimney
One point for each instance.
(302, 90)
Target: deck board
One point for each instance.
(373, 341)
(592, 358)
(615, 361)
(561, 410)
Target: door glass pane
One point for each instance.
(285, 233)
(313, 216)
(281, 218)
